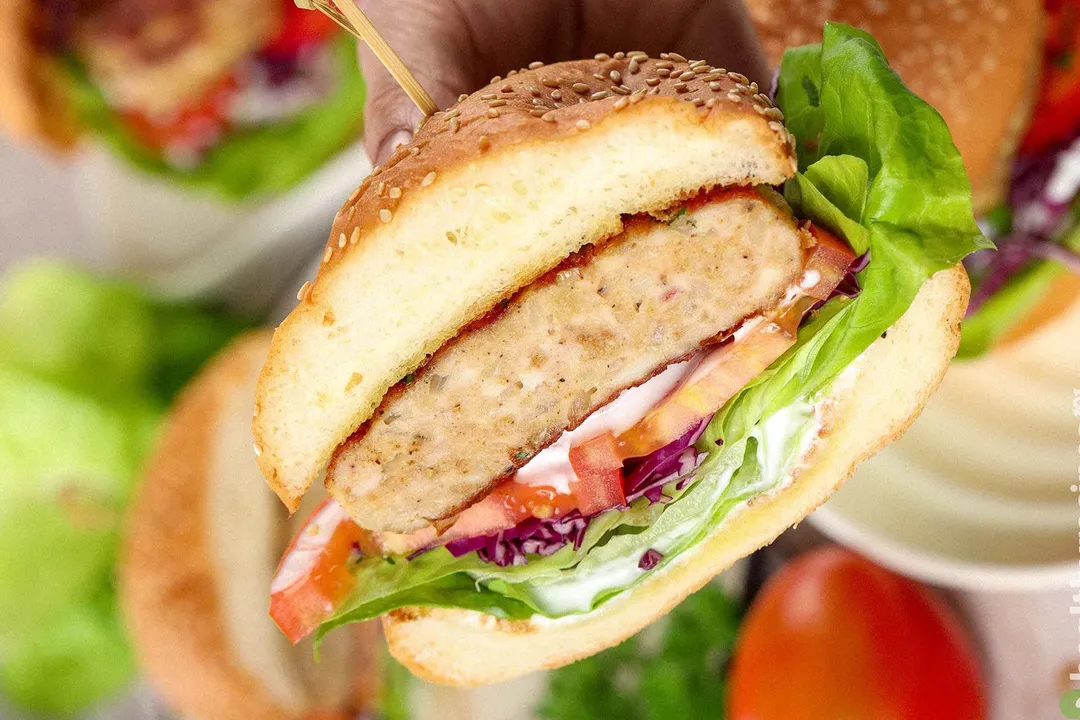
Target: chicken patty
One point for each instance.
(607, 319)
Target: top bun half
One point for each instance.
(976, 61)
(491, 194)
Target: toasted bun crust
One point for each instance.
(202, 542)
(977, 62)
(892, 381)
(489, 196)
(32, 104)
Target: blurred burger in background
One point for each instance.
(203, 538)
(1005, 75)
(242, 96)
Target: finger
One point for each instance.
(429, 37)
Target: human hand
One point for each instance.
(457, 46)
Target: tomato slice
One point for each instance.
(728, 369)
(194, 126)
(598, 466)
(314, 577)
(1057, 111)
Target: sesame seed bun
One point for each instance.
(204, 536)
(976, 61)
(490, 195)
(879, 397)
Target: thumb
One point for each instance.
(429, 43)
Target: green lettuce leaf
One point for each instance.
(878, 167)
(250, 162)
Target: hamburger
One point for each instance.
(1020, 150)
(202, 540)
(239, 96)
(571, 352)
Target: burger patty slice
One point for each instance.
(609, 318)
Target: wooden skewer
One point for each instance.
(353, 20)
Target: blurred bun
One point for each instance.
(976, 61)
(872, 405)
(489, 196)
(203, 540)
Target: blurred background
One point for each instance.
(166, 194)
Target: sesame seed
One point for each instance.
(760, 110)
(514, 72)
(666, 65)
(680, 87)
(600, 77)
(455, 124)
(495, 79)
(710, 77)
(580, 87)
(462, 97)
(773, 113)
(664, 56)
(342, 240)
(639, 91)
(677, 57)
(599, 95)
(556, 94)
(355, 194)
(663, 72)
(537, 111)
(688, 75)
(535, 64)
(496, 103)
(738, 77)
(601, 57)
(635, 99)
(619, 55)
(414, 151)
(488, 96)
(763, 99)
(715, 86)
(697, 64)
(697, 102)
(720, 71)
(303, 292)
(379, 188)
(711, 103)
(734, 96)
(582, 124)
(549, 116)
(616, 77)
(355, 237)
(507, 89)
(634, 67)
(395, 192)
(428, 179)
(777, 127)
(652, 82)
(621, 103)
(352, 213)
(485, 143)
(702, 69)
(328, 253)
(621, 90)
(534, 91)
(493, 113)
(548, 82)
(753, 87)
(635, 54)
(385, 215)
(451, 115)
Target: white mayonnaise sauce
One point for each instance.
(551, 466)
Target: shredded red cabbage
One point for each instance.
(650, 559)
(1039, 221)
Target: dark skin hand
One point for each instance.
(457, 46)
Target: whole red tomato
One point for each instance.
(834, 637)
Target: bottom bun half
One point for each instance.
(884, 390)
(203, 539)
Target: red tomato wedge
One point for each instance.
(300, 29)
(728, 369)
(314, 577)
(195, 125)
(832, 636)
(598, 467)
